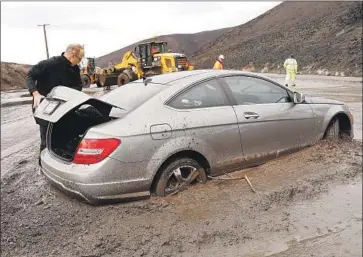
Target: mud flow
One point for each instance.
(305, 204)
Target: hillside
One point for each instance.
(322, 35)
(184, 43)
(13, 76)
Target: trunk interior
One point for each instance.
(65, 135)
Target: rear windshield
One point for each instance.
(132, 95)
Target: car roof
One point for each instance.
(174, 77)
(169, 78)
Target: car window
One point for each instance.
(206, 94)
(250, 90)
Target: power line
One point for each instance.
(45, 38)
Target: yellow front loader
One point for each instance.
(147, 59)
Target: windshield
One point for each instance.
(157, 48)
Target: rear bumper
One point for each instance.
(91, 182)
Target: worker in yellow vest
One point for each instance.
(219, 63)
(290, 66)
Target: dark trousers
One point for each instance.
(43, 134)
(43, 126)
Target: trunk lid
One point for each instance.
(62, 100)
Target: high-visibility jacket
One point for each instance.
(290, 65)
(218, 65)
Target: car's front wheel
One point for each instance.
(178, 175)
(333, 129)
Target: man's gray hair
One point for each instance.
(75, 49)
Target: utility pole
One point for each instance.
(45, 38)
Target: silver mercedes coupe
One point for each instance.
(162, 134)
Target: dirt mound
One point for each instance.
(325, 37)
(13, 76)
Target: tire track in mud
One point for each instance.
(19, 137)
(14, 113)
(15, 120)
(11, 166)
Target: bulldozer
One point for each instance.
(89, 74)
(148, 59)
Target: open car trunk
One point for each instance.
(65, 135)
(70, 113)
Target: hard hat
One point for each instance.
(221, 57)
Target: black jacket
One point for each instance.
(56, 71)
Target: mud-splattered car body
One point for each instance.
(207, 120)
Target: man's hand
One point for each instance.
(37, 98)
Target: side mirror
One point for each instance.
(298, 98)
(146, 80)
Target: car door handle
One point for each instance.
(251, 115)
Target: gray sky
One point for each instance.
(108, 26)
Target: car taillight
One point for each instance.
(91, 151)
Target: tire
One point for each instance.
(122, 79)
(98, 84)
(86, 81)
(132, 75)
(168, 184)
(100, 80)
(333, 129)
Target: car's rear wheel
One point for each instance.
(178, 175)
(333, 129)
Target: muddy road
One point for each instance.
(307, 204)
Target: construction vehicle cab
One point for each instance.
(156, 59)
(147, 50)
(90, 68)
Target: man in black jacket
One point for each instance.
(57, 71)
